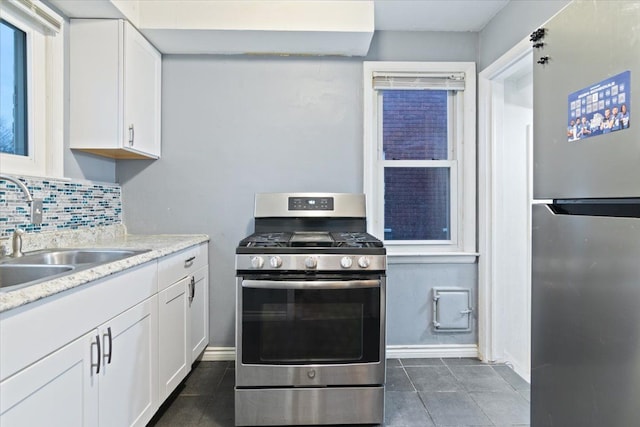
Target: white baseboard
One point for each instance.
(431, 351)
(216, 354)
(212, 354)
(518, 368)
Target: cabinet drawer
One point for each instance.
(181, 264)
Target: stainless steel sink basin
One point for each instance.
(72, 256)
(16, 274)
(38, 266)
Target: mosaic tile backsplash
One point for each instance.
(67, 205)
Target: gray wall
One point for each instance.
(234, 126)
(410, 303)
(423, 46)
(512, 24)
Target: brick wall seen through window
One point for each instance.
(416, 199)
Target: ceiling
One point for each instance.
(435, 15)
(296, 27)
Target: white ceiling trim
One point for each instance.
(287, 27)
(291, 27)
(258, 15)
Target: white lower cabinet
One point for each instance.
(199, 312)
(60, 389)
(183, 321)
(128, 387)
(183, 318)
(108, 353)
(89, 384)
(174, 325)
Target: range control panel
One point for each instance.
(310, 203)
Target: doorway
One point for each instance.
(505, 194)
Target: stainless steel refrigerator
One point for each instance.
(586, 222)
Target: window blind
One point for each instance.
(413, 81)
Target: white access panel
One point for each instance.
(451, 309)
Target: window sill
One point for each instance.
(432, 258)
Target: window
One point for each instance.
(13, 97)
(31, 80)
(420, 157)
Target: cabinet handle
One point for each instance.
(98, 364)
(132, 135)
(108, 356)
(192, 287)
(189, 262)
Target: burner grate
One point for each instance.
(266, 240)
(311, 240)
(356, 240)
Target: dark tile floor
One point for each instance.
(419, 393)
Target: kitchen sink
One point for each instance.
(38, 266)
(17, 274)
(72, 256)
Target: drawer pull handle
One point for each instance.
(98, 345)
(108, 356)
(189, 262)
(192, 288)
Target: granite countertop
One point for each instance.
(158, 246)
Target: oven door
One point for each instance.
(310, 332)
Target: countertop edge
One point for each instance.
(158, 246)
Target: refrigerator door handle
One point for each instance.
(613, 207)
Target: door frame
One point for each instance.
(489, 125)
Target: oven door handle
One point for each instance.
(310, 284)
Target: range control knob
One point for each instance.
(346, 262)
(275, 262)
(257, 262)
(310, 262)
(364, 262)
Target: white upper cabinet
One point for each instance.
(115, 89)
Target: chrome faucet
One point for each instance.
(17, 243)
(35, 204)
(19, 183)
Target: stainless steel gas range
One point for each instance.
(310, 324)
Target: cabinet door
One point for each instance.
(199, 312)
(95, 91)
(128, 381)
(142, 79)
(61, 389)
(174, 330)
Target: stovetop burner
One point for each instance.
(266, 240)
(310, 234)
(310, 239)
(356, 240)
